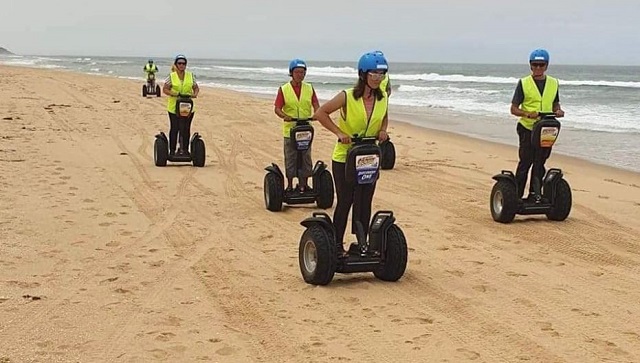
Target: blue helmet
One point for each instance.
(297, 63)
(539, 55)
(179, 56)
(372, 61)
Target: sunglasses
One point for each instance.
(181, 63)
(539, 65)
(376, 76)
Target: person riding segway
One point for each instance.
(295, 103)
(381, 246)
(537, 102)
(181, 87)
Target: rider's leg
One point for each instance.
(539, 172)
(344, 193)
(365, 207)
(525, 153)
(307, 167)
(289, 161)
(185, 133)
(173, 133)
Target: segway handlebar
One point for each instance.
(547, 114)
(362, 139)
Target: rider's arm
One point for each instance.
(324, 112)
(516, 101)
(166, 88)
(278, 104)
(314, 101)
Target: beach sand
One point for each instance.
(106, 258)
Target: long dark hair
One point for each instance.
(358, 89)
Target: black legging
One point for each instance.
(182, 126)
(527, 153)
(346, 193)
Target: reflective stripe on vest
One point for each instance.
(295, 108)
(355, 122)
(183, 87)
(534, 101)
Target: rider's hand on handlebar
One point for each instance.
(287, 118)
(559, 113)
(382, 135)
(533, 115)
(345, 139)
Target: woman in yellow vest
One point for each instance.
(179, 82)
(363, 111)
(295, 99)
(534, 93)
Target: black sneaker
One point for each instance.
(172, 152)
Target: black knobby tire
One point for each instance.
(325, 190)
(507, 192)
(273, 192)
(562, 203)
(158, 94)
(199, 153)
(396, 255)
(387, 155)
(160, 152)
(317, 239)
(144, 91)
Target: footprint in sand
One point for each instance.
(515, 274)
(548, 327)
(225, 351)
(468, 354)
(165, 337)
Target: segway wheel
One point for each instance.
(387, 155)
(160, 152)
(325, 190)
(562, 203)
(158, 91)
(395, 260)
(144, 90)
(199, 152)
(273, 192)
(317, 256)
(504, 201)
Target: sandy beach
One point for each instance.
(106, 258)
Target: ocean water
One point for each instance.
(602, 121)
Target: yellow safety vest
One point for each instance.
(302, 108)
(385, 82)
(355, 122)
(536, 102)
(150, 68)
(182, 87)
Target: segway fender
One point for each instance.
(552, 177)
(162, 136)
(194, 137)
(320, 218)
(380, 224)
(319, 167)
(273, 168)
(505, 175)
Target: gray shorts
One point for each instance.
(290, 155)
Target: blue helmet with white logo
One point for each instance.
(539, 55)
(297, 63)
(372, 61)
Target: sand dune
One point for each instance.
(105, 257)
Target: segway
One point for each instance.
(161, 155)
(550, 196)
(322, 191)
(151, 88)
(383, 252)
(387, 154)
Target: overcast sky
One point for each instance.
(476, 31)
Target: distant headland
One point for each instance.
(4, 51)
